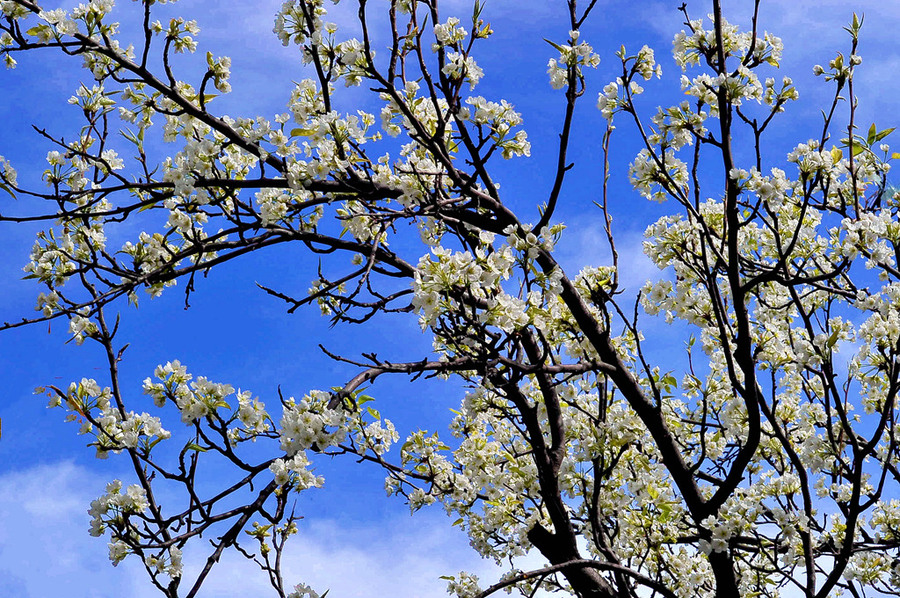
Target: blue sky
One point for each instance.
(353, 540)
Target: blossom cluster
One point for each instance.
(113, 512)
(787, 282)
(100, 416)
(572, 59)
(614, 97)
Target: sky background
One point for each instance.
(353, 540)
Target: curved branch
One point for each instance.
(583, 563)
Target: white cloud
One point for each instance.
(403, 556)
(44, 547)
(812, 29)
(44, 544)
(584, 244)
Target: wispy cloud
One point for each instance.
(584, 244)
(44, 544)
(405, 556)
(44, 547)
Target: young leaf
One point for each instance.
(884, 134)
(8, 190)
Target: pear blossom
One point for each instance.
(754, 451)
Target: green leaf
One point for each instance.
(557, 46)
(37, 30)
(669, 381)
(836, 155)
(884, 134)
(870, 138)
(8, 190)
(127, 134)
(855, 26)
(665, 512)
(193, 446)
(839, 61)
